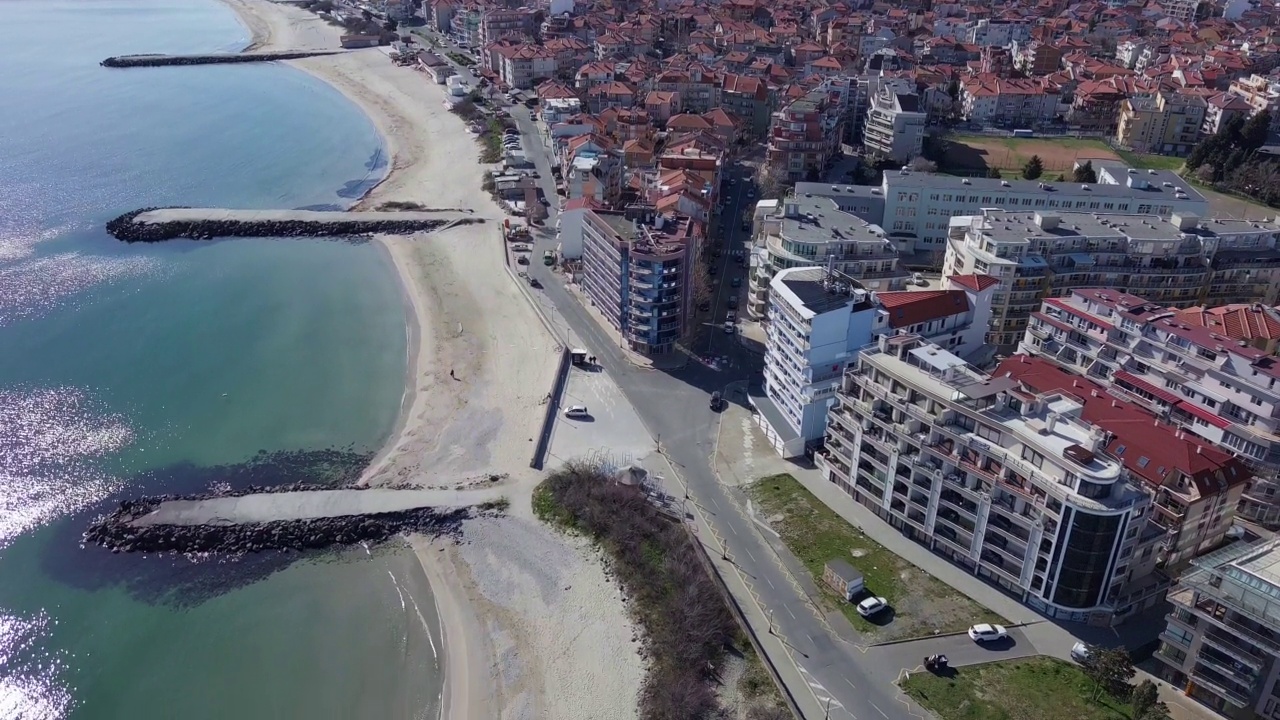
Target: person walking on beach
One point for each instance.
(455, 377)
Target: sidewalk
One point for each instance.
(756, 616)
(671, 361)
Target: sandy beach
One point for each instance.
(533, 627)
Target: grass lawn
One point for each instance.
(815, 534)
(1031, 689)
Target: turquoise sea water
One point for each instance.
(156, 368)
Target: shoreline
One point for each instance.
(479, 362)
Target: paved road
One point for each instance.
(673, 405)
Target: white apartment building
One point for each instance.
(1044, 254)
(819, 318)
(1195, 486)
(813, 316)
(1261, 93)
(915, 208)
(997, 33)
(1199, 378)
(895, 123)
(1011, 485)
(1222, 642)
(812, 231)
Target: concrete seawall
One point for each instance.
(128, 61)
(158, 224)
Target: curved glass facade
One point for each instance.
(1085, 542)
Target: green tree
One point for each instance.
(366, 15)
(1159, 711)
(1062, 178)
(1143, 698)
(1085, 173)
(1034, 168)
(390, 25)
(1254, 133)
(994, 173)
(1110, 669)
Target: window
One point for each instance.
(1032, 456)
(1177, 634)
(1143, 461)
(988, 433)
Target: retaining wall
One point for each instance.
(553, 407)
(741, 618)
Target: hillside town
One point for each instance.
(1005, 277)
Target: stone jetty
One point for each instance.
(157, 224)
(297, 517)
(157, 60)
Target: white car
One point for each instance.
(729, 329)
(575, 411)
(1080, 652)
(986, 632)
(918, 279)
(871, 606)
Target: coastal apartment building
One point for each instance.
(638, 271)
(1221, 645)
(498, 23)
(1203, 378)
(819, 318)
(915, 208)
(1195, 486)
(1011, 485)
(809, 231)
(1164, 123)
(994, 32)
(895, 123)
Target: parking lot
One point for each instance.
(610, 427)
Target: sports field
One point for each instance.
(986, 152)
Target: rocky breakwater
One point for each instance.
(122, 531)
(156, 60)
(158, 224)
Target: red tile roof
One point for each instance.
(1149, 448)
(908, 308)
(977, 283)
(1238, 322)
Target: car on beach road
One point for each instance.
(871, 606)
(1080, 652)
(986, 632)
(575, 411)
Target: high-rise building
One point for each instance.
(638, 271)
(1012, 485)
(1222, 642)
(895, 123)
(819, 318)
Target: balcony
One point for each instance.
(953, 498)
(1234, 648)
(996, 563)
(1219, 685)
(1012, 551)
(1002, 524)
(956, 540)
(953, 517)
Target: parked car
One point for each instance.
(736, 282)
(746, 226)
(1079, 652)
(575, 411)
(986, 632)
(918, 279)
(731, 316)
(715, 400)
(704, 306)
(733, 301)
(871, 606)
(728, 328)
